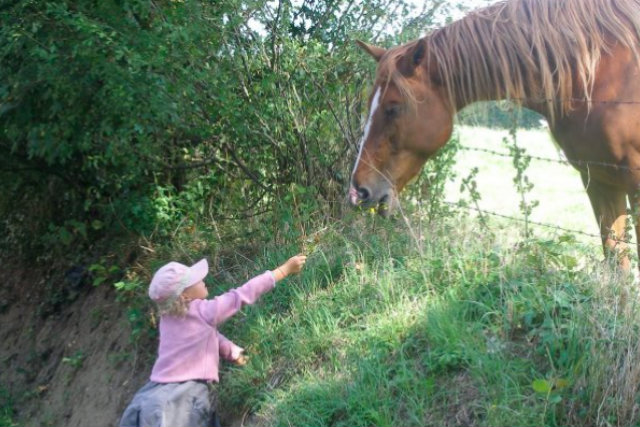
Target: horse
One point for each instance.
(575, 62)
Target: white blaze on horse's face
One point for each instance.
(373, 183)
(353, 194)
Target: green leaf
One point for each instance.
(541, 386)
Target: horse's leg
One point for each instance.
(634, 201)
(610, 206)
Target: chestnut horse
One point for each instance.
(576, 62)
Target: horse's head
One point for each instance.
(410, 118)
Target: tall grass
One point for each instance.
(464, 327)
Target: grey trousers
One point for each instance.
(186, 404)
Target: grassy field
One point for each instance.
(436, 318)
(557, 187)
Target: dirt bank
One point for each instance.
(68, 361)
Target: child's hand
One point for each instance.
(241, 361)
(238, 357)
(292, 266)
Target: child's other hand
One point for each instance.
(241, 361)
(238, 357)
(294, 264)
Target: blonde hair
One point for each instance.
(175, 307)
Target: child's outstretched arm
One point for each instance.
(220, 308)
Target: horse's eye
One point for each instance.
(392, 111)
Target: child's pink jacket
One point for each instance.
(190, 346)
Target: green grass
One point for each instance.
(7, 410)
(471, 329)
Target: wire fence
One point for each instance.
(560, 161)
(530, 222)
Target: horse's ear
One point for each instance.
(419, 52)
(372, 50)
(412, 58)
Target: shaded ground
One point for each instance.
(73, 367)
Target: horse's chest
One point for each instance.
(595, 152)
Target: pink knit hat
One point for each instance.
(173, 278)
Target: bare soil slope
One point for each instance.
(70, 365)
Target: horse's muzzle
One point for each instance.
(365, 198)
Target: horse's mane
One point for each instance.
(541, 51)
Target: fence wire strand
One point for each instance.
(565, 162)
(528, 221)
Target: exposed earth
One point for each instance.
(68, 361)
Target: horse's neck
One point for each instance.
(508, 52)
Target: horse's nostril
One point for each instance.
(364, 194)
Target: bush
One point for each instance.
(134, 116)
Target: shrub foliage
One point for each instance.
(137, 116)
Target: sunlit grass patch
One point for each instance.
(473, 328)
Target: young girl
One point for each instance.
(177, 394)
